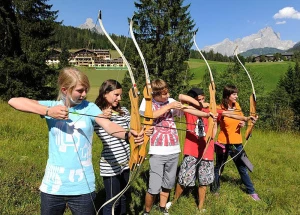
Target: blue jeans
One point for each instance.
(232, 149)
(56, 204)
(113, 186)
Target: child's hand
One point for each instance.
(215, 117)
(138, 137)
(58, 112)
(242, 124)
(176, 105)
(149, 132)
(252, 118)
(107, 112)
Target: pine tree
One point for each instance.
(296, 98)
(164, 31)
(64, 58)
(23, 66)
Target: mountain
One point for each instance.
(261, 51)
(89, 24)
(265, 37)
(296, 47)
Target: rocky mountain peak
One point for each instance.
(89, 24)
(265, 37)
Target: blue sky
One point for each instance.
(215, 19)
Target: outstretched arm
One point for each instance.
(173, 105)
(232, 115)
(32, 106)
(191, 101)
(117, 130)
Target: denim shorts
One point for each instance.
(78, 204)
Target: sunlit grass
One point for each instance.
(23, 156)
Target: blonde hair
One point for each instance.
(69, 77)
(158, 86)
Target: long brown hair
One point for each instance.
(106, 87)
(227, 91)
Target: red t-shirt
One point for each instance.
(194, 145)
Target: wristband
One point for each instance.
(47, 111)
(127, 137)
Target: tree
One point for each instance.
(29, 27)
(164, 32)
(64, 58)
(282, 106)
(235, 75)
(262, 58)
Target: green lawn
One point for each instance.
(97, 77)
(23, 156)
(270, 72)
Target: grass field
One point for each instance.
(270, 72)
(23, 155)
(97, 77)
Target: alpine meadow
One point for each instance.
(273, 154)
(31, 36)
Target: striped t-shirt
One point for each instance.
(116, 152)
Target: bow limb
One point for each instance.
(134, 100)
(134, 118)
(212, 107)
(252, 100)
(212, 102)
(252, 113)
(147, 93)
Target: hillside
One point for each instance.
(270, 72)
(261, 51)
(296, 47)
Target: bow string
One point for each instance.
(252, 100)
(134, 116)
(212, 103)
(250, 124)
(147, 93)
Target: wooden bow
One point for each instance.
(212, 103)
(250, 124)
(135, 123)
(147, 93)
(252, 101)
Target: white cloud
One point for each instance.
(251, 22)
(280, 23)
(288, 13)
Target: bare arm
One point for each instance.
(32, 106)
(231, 114)
(190, 100)
(196, 112)
(117, 130)
(173, 105)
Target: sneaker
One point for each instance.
(255, 197)
(202, 211)
(168, 205)
(164, 210)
